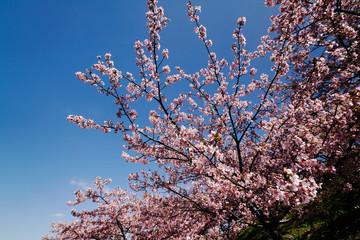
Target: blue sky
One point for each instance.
(42, 44)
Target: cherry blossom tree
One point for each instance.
(225, 162)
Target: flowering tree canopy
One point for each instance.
(225, 162)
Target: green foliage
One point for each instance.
(336, 216)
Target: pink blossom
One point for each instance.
(202, 32)
(253, 71)
(166, 69)
(107, 56)
(165, 53)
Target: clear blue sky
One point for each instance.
(42, 44)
